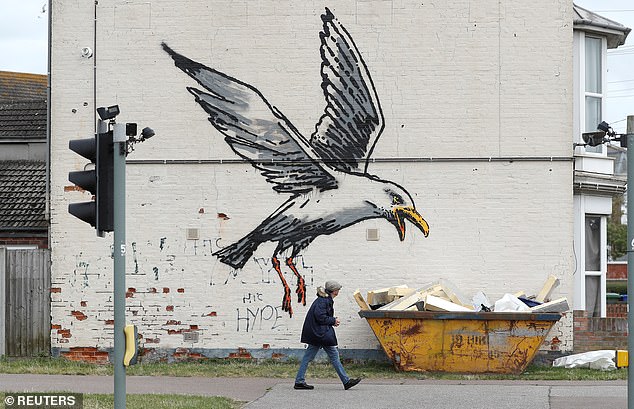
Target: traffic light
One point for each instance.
(98, 181)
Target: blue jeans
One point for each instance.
(309, 355)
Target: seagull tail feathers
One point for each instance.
(237, 254)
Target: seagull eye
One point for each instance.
(397, 200)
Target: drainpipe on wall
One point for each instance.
(47, 205)
(94, 70)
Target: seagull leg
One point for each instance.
(301, 284)
(286, 301)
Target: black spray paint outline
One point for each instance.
(323, 175)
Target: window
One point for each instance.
(593, 243)
(593, 232)
(593, 86)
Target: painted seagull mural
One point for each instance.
(327, 175)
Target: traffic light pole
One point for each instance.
(119, 139)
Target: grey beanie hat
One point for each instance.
(331, 286)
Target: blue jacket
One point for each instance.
(318, 326)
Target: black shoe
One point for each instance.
(351, 383)
(303, 385)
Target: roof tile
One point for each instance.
(22, 195)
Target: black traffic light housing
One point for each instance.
(98, 181)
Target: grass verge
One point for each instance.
(287, 370)
(99, 401)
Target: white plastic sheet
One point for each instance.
(510, 303)
(480, 299)
(601, 359)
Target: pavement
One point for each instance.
(369, 394)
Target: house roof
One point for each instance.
(586, 20)
(23, 121)
(20, 86)
(23, 195)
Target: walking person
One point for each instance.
(319, 332)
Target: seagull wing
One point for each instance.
(255, 130)
(353, 121)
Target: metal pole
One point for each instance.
(119, 138)
(630, 258)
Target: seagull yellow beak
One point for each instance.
(405, 212)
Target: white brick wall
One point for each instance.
(465, 79)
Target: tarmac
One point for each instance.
(267, 393)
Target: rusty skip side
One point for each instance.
(460, 342)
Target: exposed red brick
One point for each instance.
(129, 294)
(201, 210)
(86, 354)
(83, 303)
(184, 354)
(212, 314)
(79, 315)
(266, 346)
(241, 354)
(173, 322)
(56, 326)
(173, 332)
(166, 290)
(181, 290)
(169, 308)
(152, 290)
(193, 327)
(554, 344)
(592, 333)
(56, 290)
(277, 356)
(617, 271)
(41, 242)
(65, 333)
(617, 310)
(109, 322)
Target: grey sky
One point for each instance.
(24, 36)
(23, 48)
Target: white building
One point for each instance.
(477, 99)
(595, 182)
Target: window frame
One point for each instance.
(600, 150)
(601, 273)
